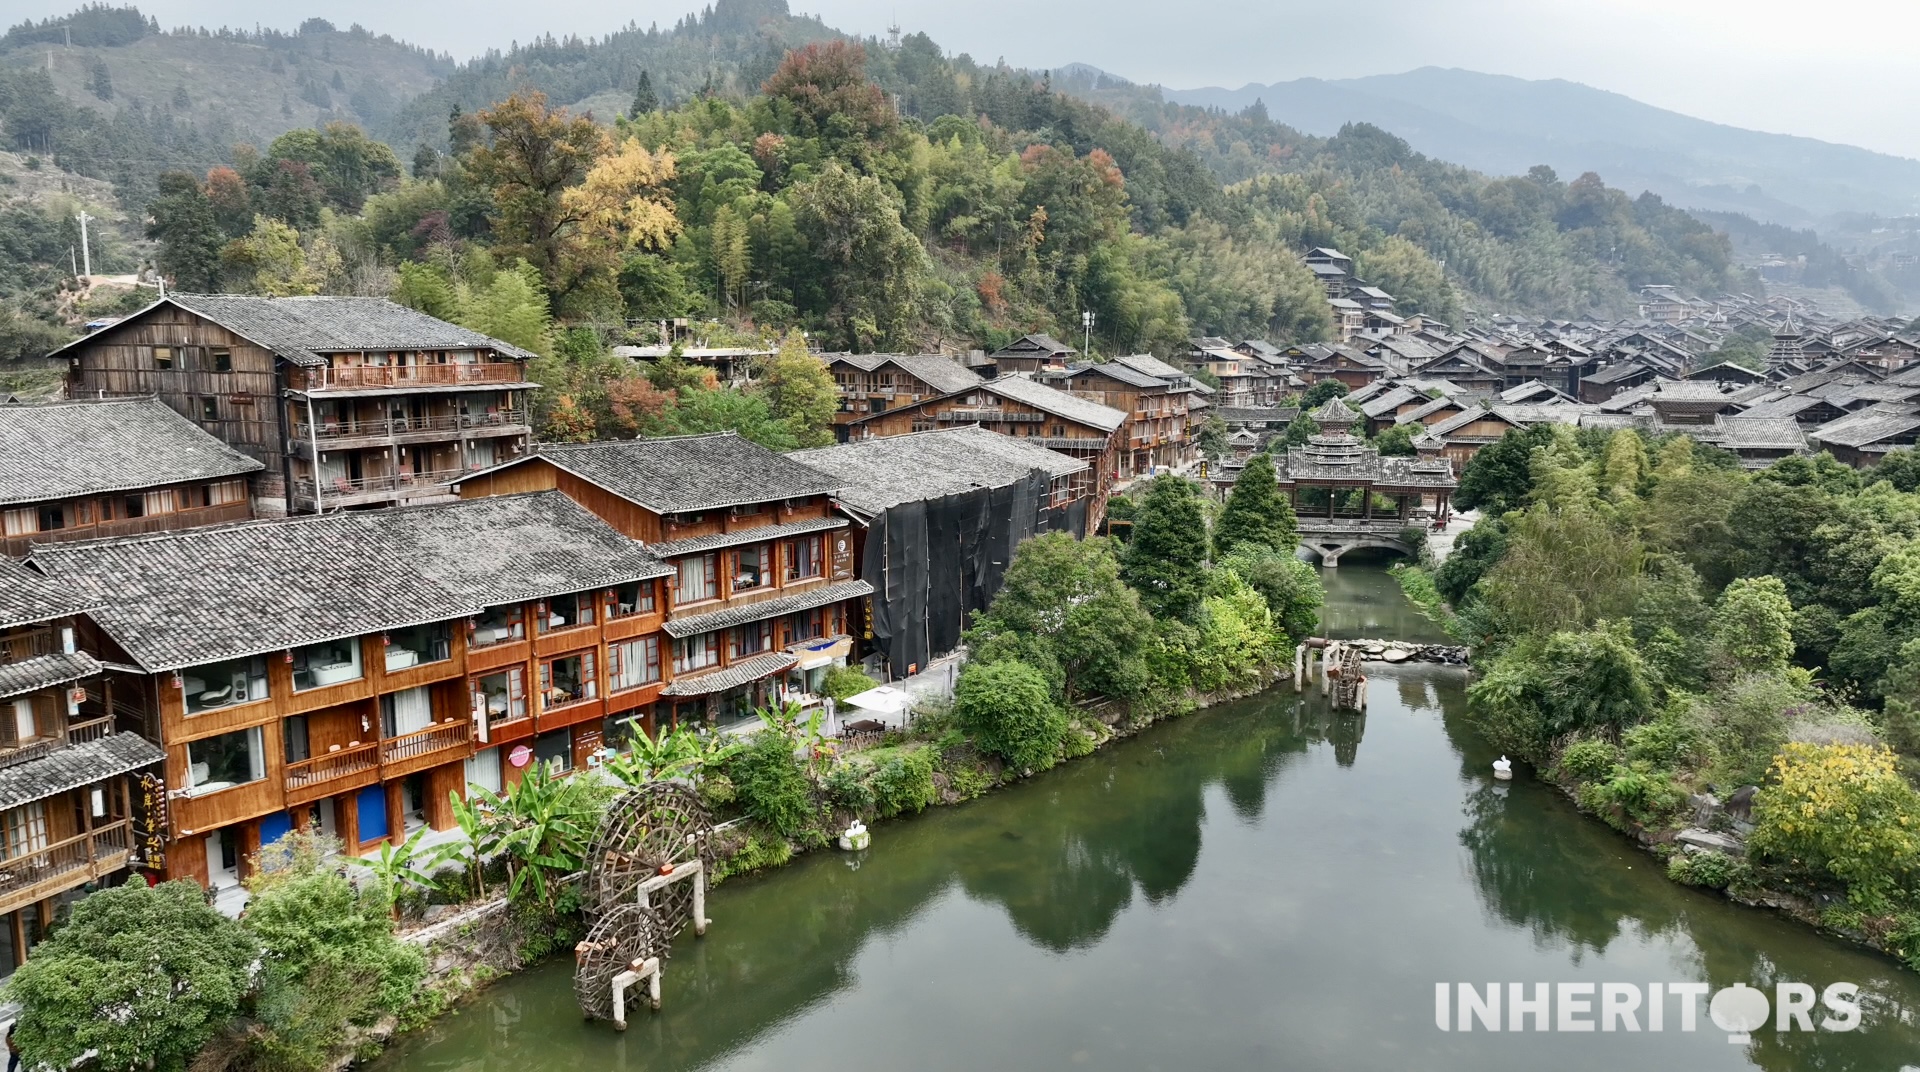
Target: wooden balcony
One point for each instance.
(31, 644)
(342, 491)
(35, 876)
(437, 744)
(348, 434)
(132, 526)
(364, 376)
(334, 772)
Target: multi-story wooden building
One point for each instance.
(347, 402)
(939, 515)
(1030, 354)
(1024, 409)
(1158, 413)
(876, 383)
(761, 594)
(70, 816)
(83, 470)
(348, 671)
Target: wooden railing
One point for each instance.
(384, 482)
(432, 739)
(34, 875)
(19, 647)
(320, 379)
(381, 427)
(321, 769)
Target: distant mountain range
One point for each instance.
(1503, 126)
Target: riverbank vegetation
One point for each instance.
(1683, 644)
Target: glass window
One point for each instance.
(752, 568)
(430, 643)
(406, 711)
(227, 760)
(804, 558)
(499, 625)
(807, 625)
(26, 830)
(555, 750)
(53, 518)
(483, 770)
(222, 359)
(697, 579)
(20, 521)
(634, 663)
(567, 680)
(500, 697)
(163, 357)
(327, 663)
(224, 684)
(632, 599)
(209, 408)
(693, 653)
(566, 612)
(752, 639)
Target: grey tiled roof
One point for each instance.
(1869, 426)
(727, 617)
(880, 473)
(45, 671)
(1150, 365)
(740, 673)
(686, 474)
(27, 598)
(1059, 403)
(302, 329)
(938, 372)
(75, 766)
(1113, 370)
(694, 545)
(187, 598)
(65, 449)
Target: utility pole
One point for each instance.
(86, 255)
(1086, 336)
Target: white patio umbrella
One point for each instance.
(883, 701)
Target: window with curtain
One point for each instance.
(26, 829)
(404, 712)
(698, 579)
(634, 663)
(693, 653)
(226, 760)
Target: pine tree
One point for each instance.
(1166, 559)
(1255, 512)
(100, 80)
(645, 100)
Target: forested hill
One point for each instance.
(882, 195)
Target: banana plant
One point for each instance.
(397, 868)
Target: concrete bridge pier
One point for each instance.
(1329, 550)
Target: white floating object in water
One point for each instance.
(1503, 768)
(855, 837)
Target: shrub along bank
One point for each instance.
(1719, 663)
(1086, 641)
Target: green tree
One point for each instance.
(1300, 429)
(534, 156)
(1901, 468)
(1320, 394)
(1545, 688)
(426, 288)
(1396, 441)
(723, 409)
(183, 223)
(142, 977)
(1063, 609)
(1212, 438)
(332, 962)
(1500, 476)
(871, 271)
(1291, 588)
(1564, 569)
(1752, 627)
(512, 307)
(1166, 558)
(1256, 512)
(645, 100)
(800, 392)
(1007, 707)
(772, 783)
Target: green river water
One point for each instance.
(1261, 885)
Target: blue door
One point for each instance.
(274, 827)
(373, 813)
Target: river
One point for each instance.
(1262, 885)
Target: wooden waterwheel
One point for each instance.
(622, 935)
(646, 832)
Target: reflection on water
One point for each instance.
(1243, 888)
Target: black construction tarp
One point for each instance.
(934, 562)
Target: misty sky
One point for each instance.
(1832, 69)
